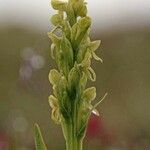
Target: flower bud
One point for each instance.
(59, 4)
(80, 8)
(55, 109)
(54, 77)
(56, 19)
(89, 94)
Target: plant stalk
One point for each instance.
(72, 141)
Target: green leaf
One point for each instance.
(39, 142)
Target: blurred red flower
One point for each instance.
(4, 140)
(97, 129)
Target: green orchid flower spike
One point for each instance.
(73, 51)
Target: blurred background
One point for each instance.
(123, 27)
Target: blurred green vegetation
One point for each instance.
(24, 88)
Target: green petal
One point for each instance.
(67, 51)
(94, 110)
(83, 82)
(66, 29)
(96, 57)
(71, 14)
(94, 45)
(87, 60)
(62, 87)
(53, 46)
(56, 115)
(91, 74)
(55, 39)
(74, 77)
(53, 101)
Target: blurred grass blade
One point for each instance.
(39, 142)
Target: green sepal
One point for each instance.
(53, 48)
(63, 97)
(62, 86)
(93, 46)
(80, 8)
(73, 81)
(67, 51)
(87, 60)
(83, 82)
(39, 142)
(81, 52)
(79, 30)
(90, 74)
(55, 39)
(71, 14)
(66, 29)
(65, 56)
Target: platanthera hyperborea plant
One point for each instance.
(72, 50)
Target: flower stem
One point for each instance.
(72, 141)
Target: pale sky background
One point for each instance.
(105, 13)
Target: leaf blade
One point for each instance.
(39, 142)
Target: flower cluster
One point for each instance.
(73, 50)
